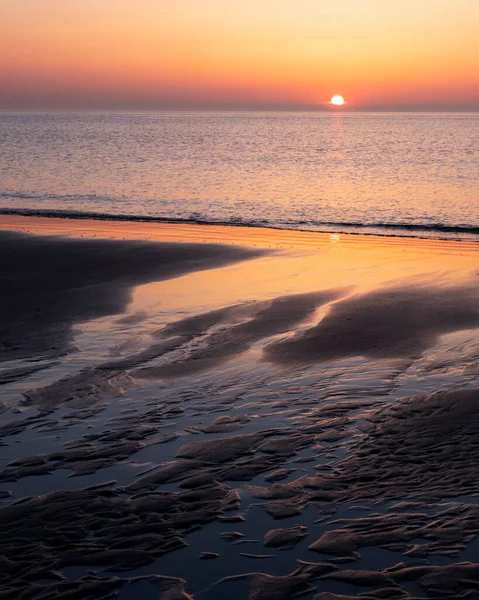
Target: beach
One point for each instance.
(209, 411)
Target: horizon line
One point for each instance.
(250, 109)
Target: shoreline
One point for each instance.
(230, 234)
(403, 230)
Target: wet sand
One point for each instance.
(51, 283)
(206, 412)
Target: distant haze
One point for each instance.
(239, 54)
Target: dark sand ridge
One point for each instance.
(263, 318)
(47, 284)
(153, 523)
(258, 320)
(399, 322)
(396, 323)
(421, 447)
(425, 447)
(241, 326)
(447, 582)
(98, 528)
(452, 582)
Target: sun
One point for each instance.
(337, 100)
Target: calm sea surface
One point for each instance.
(377, 173)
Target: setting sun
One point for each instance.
(337, 100)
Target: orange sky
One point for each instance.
(153, 54)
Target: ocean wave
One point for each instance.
(398, 229)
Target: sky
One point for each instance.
(239, 54)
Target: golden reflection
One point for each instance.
(299, 262)
(363, 263)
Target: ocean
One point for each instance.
(388, 174)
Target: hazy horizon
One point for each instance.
(306, 109)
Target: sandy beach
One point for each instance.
(205, 412)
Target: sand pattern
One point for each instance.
(328, 438)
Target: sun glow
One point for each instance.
(337, 100)
(213, 54)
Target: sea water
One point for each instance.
(394, 174)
